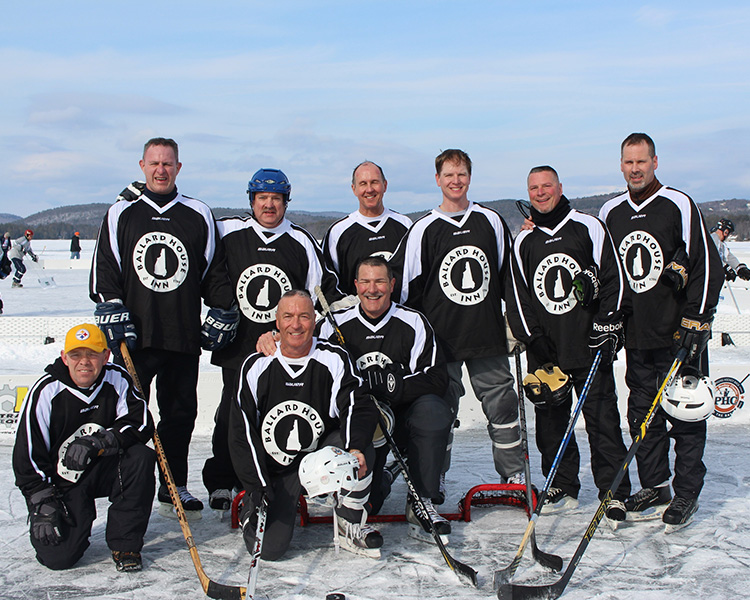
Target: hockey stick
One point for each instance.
(455, 565)
(554, 590)
(502, 576)
(219, 591)
(731, 293)
(260, 532)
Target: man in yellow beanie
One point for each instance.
(82, 435)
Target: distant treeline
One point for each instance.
(60, 223)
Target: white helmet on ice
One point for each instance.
(329, 474)
(690, 397)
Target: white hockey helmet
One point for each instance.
(690, 397)
(328, 474)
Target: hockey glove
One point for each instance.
(543, 349)
(47, 516)
(34, 257)
(729, 273)
(83, 450)
(114, 320)
(220, 328)
(586, 286)
(385, 383)
(132, 192)
(607, 335)
(675, 274)
(743, 272)
(693, 335)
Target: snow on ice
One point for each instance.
(710, 559)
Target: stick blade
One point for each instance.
(512, 591)
(547, 560)
(465, 571)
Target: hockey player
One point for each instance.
(450, 266)
(675, 276)
(82, 435)
(156, 256)
(267, 255)
(304, 397)
(732, 266)
(568, 248)
(75, 246)
(18, 249)
(370, 230)
(5, 264)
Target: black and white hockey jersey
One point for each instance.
(160, 258)
(647, 234)
(451, 266)
(400, 336)
(545, 260)
(56, 411)
(285, 407)
(355, 237)
(263, 264)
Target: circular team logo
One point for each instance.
(62, 470)
(465, 275)
(643, 260)
(372, 359)
(383, 253)
(729, 397)
(553, 283)
(290, 428)
(259, 289)
(161, 261)
(82, 335)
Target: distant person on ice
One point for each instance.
(75, 246)
(733, 268)
(20, 248)
(82, 435)
(5, 264)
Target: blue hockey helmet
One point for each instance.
(269, 180)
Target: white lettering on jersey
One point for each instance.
(372, 359)
(290, 428)
(553, 283)
(259, 289)
(643, 260)
(160, 261)
(465, 275)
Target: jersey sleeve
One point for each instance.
(133, 423)
(357, 411)
(519, 306)
(216, 289)
(426, 373)
(106, 281)
(245, 445)
(705, 273)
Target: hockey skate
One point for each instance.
(648, 503)
(364, 540)
(16, 284)
(190, 504)
(558, 501)
(220, 500)
(419, 523)
(679, 514)
(127, 562)
(615, 514)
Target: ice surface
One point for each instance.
(710, 559)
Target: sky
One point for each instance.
(314, 88)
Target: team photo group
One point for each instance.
(343, 362)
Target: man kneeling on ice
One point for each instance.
(303, 397)
(82, 435)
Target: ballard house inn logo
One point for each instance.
(729, 396)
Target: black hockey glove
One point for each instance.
(81, 451)
(385, 383)
(743, 272)
(543, 349)
(132, 192)
(34, 257)
(220, 328)
(586, 286)
(249, 517)
(729, 273)
(675, 274)
(693, 335)
(48, 514)
(114, 320)
(607, 335)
